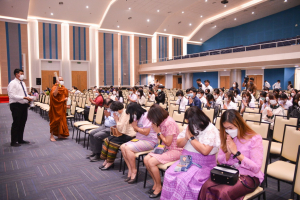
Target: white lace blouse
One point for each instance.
(209, 136)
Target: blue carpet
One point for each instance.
(59, 170)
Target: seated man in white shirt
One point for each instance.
(207, 86)
(276, 85)
(181, 101)
(284, 103)
(202, 97)
(218, 98)
(132, 97)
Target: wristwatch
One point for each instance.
(191, 138)
(158, 134)
(237, 154)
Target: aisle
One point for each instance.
(56, 170)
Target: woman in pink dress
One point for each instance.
(241, 148)
(167, 132)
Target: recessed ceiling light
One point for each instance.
(166, 73)
(118, 26)
(182, 12)
(296, 65)
(224, 6)
(148, 20)
(215, 26)
(285, 0)
(201, 16)
(263, 67)
(157, 10)
(234, 18)
(225, 70)
(252, 13)
(51, 13)
(204, 71)
(190, 24)
(87, 6)
(205, 0)
(129, 8)
(201, 39)
(165, 29)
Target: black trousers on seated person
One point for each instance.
(19, 113)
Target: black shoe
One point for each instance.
(127, 179)
(150, 191)
(101, 166)
(132, 181)
(15, 145)
(90, 155)
(107, 168)
(96, 158)
(154, 195)
(24, 142)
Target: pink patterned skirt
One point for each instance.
(169, 156)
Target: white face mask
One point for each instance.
(61, 82)
(179, 97)
(293, 94)
(233, 85)
(298, 103)
(130, 92)
(96, 94)
(114, 92)
(226, 99)
(198, 95)
(22, 77)
(159, 90)
(273, 102)
(108, 110)
(232, 132)
(267, 98)
(215, 96)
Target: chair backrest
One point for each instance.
(209, 113)
(149, 103)
(164, 106)
(178, 117)
(147, 108)
(91, 113)
(296, 183)
(73, 108)
(47, 99)
(260, 128)
(252, 116)
(253, 110)
(83, 103)
(99, 115)
(285, 112)
(290, 143)
(172, 107)
(279, 124)
(217, 124)
(80, 101)
(266, 146)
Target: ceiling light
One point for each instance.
(252, 13)
(118, 26)
(129, 8)
(225, 70)
(201, 39)
(224, 6)
(204, 71)
(205, 0)
(166, 73)
(157, 10)
(51, 13)
(165, 29)
(234, 18)
(182, 12)
(215, 26)
(148, 20)
(87, 6)
(285, 0)
(263, 67)
(190, 24)
(296, 65)
(201, 16)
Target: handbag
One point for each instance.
(114, 132)
(224, 174)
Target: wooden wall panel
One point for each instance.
(40, 29)
(87, 39)
(3, 58)
(59, 41)
(175, 82)
(149, 49)
(79, 79)
(116, 59)
(24, 43)
(136, 61)
(225, 82)
(71, 41)
(47, 78)
(161, 79)
(101, 59)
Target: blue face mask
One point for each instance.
(190, 94)
(159, 90)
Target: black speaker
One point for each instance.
(38, 81)
(54, 80)
(179, 80)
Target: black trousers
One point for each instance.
(19, 113)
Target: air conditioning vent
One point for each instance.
(61, 3)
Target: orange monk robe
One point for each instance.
(57, 112)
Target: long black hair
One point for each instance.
(135, 109)
(197, 120)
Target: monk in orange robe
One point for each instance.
(58, 109)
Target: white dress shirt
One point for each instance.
(237, 98)
(276, 85)
(267, 84)
(133, 97)
(231, 105)
(182, 103)
(286, 105)
(113, 97)
(203, 100)
(219, 101)
(152, 97)
(208, 87)
(142, 100)
(16, 92)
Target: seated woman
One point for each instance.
(98, 101)
(132, 97)
(294, 110)
(242, 148)
(151, 95)
(235, 86)
(269, 113)
(293, 93)
(284, 103)
(181, 101)
(111, 144)
(114, 95)
(120, 97)
(247, 101)
(167, 132)
(237, 96)
(229, 101)
(146, 138)
(210, 103)
(201, 140)
(141, 97)
(263, 101)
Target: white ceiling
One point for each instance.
(165, 21)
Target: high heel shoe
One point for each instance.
(131, 181)
(150, 191)
(127, 179)
(154, 195)
(101, 166)
(107, 168)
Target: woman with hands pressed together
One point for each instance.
(269, 113)
(242, 149)
(145, 138)
(167, 132)
(200, 140)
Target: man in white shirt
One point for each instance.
(267, 84)
(181, 101)
(132, 97)
(202, 97)
(276, 85)
(217, 97)
(207, 86)
(200, 84)
(284, 103)
(18, 102)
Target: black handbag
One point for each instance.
(224, 174)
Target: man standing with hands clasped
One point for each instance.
(18, 102)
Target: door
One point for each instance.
(47, 78)
(225, 82)
(161, 79)
(79, 80)
(258, 80)
(177, 82)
